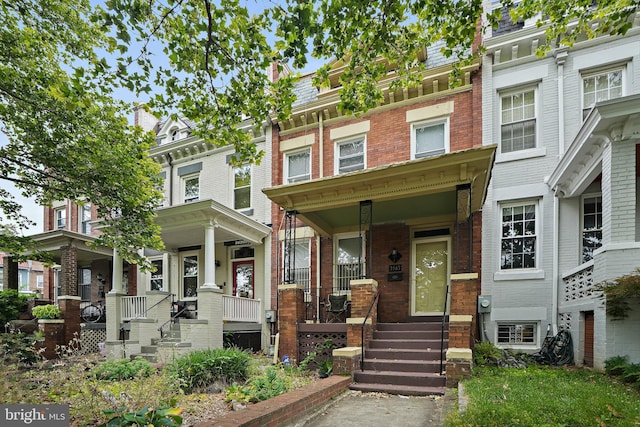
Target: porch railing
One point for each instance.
(238, 309)
(133, 307)
(343, 274)
(578, 283)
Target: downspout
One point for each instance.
(321, 144)
(318, 286)
(561, 57)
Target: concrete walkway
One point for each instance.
(354, 408)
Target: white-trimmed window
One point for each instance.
(297, 166)
(517, 333)
(242, 187)
(600, 86)
(40, 281)
(349, 261)
(23, 280)
(591, 226)
(60, 218)
(518, 241)
(518, 121)
(85, 218)
(430, 138)
(157, 276)
(191, 188)
(350, 154)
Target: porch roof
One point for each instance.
(608, 122)
(184, 225)
(54, 241)
(406, 191)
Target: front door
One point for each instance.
(430, 276)
(243, 279)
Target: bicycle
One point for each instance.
(92, 313)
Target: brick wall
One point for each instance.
(69, 273)
(291, 312)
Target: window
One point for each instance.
(23, 280)
(430, 138)
(60, 217)
(157, 277)
(85, 218)
(297, 166)
(591, 226)
(191, 188)
(600, 87)
(300, 259)
(348, 251)
(189, 276)
(350, 155)
(517, 333)
(518, 241)
(84, 284)
(175, 133)
(242, 187)
(518, 121)
(40, 281)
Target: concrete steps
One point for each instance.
(404, 358)
(171, 337)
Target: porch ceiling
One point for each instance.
(184, 225)
(400, 192)
(55, 241)
(611, 121)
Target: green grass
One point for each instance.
(542, 396)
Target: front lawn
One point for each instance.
(546, 396)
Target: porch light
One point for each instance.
(395, 256)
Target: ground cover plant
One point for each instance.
(120, 392)
(549, 396)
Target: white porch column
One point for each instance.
(116, 273)
(210, 257)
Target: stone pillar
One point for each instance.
(459, 363)
(465, 289)
(10, 273)
(362, 292)
(210, 257)
(70, 308)
(291, 311)
(53, 330)
(346, 360)
(210, 309)
(116, 274)
(69, 271)
(114, 315)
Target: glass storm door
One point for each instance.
(430, 276)
(243, 279)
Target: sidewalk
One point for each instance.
(354, 408)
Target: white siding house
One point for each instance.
(561, 212)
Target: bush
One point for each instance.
(122, 369)
(485, 353)
(616, 365)
(200, 369)
(259, 388)
(18, 348)
(47, 311)
(12, 303)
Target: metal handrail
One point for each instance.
(373, 301)
(444, 315)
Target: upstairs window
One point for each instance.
(350, 155)
(242, 187)
(591, 226)
(157, 276)
(297, 166)
(191, 188)
(60, 218)
(518, 121)
(85, 218)
(599, 87)
(430, 138)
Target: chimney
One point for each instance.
(143, 118)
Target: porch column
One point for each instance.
(290, 312)
(114, 306)
(116, 274)
(210, 257)
(10, 273)
(362, 292)
(69, 271)
(465, 289)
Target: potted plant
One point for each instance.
(47, 311)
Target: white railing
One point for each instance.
(578, 283)
(133, 307)
(343, 274)
(238, 309)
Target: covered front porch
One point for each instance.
(597, 192)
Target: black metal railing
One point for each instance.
(444, 316)
(373, 302)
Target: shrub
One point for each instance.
(12, 303)
(144, 417)
(200, 369)
(616, 365)
(259, 388)
(47, 311)
(122, 369)
(18, 348)
(485, 353)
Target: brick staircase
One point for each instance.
(404, 358)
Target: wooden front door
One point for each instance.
(588, 338)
